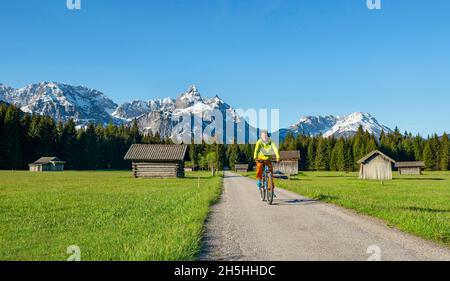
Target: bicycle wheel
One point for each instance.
(270, 188)
(262, 190)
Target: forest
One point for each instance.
(24, 138)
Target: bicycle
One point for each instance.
(267, 188)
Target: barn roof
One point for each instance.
(47, 160)
(290, 155)
(375, 152)
(410, 164)
(156, 152)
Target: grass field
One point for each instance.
(415, 204)
(108, 215)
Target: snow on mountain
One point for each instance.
(337, 126)
(130, 110)
(348, 125)
(189, 98)
(61, 101)
(84, 105)
(5, 92)
(313, 125)
(158, 115)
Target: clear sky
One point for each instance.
(305, 57)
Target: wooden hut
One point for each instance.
(410, 168)
(289, 162)
(47, 164)
(157, 160)
(376, 166)
(241, 168)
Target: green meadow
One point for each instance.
(416, 204)
(108, 215)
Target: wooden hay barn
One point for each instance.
(47, 164)
(157, 160)
(289, 162)
(241, 168)
(376, 166)
(410, 168)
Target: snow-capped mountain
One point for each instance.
(157, 116)
(61, 101)
(84, 105)
(337, 126)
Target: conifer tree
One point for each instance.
(322, 160)
(311, 154)
(445, 153)
(69, 144)
(12, 136)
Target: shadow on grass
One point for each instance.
(420, 179)
(337, 176)
(297, 179)
(427, 210)
(326, 197)
(202, 177)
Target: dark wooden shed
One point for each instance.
(410, 168)
(157, 160)
(289, 162)
(47, 164)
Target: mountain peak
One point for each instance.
(338, 126)
(191, 92)
(62, 101)
(189, 98)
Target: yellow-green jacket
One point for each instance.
(265, 151)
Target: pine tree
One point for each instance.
(234, 154)
(2, 136)
(135, 134)
(428, 157)
(349, 158)
(69, 145)
(340, 155)
(81, 149)
(418, 146)
(311, 154)
(359, 146)
(371, 145)
(12, 135)
(431, 154)
(92, 144)
(445, 153)
(333, 159)
(322, 159)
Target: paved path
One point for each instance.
(241, 227)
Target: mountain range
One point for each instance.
(84, 105)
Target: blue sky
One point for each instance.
(305, 57)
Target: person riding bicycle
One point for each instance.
(265, 149)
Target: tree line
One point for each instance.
(336, 154)
(342, 154)
(25, 137)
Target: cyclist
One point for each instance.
(265, 149)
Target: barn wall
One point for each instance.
(286, 167)
(241, 168)
(35, 168)
(376, 169)
(410, 171)
(158, 170)
(47, 168)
